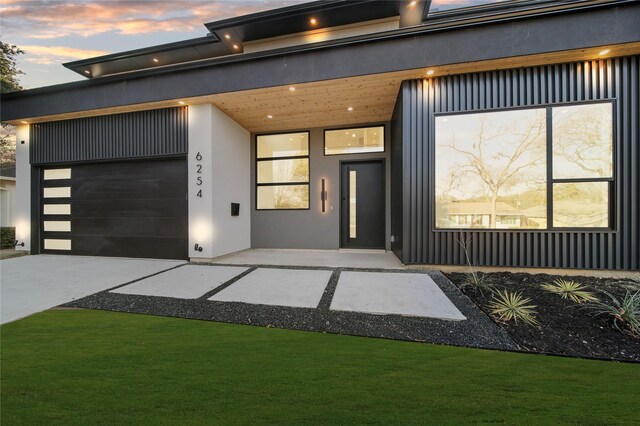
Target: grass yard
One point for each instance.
(90, 367)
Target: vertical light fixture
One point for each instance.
(323, 195)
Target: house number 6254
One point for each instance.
(199, 171)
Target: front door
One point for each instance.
(362, 205)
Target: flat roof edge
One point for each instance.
(199, 41)
(400, 33)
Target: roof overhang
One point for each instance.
(151, 57)
(312, 16)
(549, 37)
(337, 102)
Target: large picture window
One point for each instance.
(282, 171)
(494, 171)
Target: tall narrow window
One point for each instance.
(352, 203)
(582, 165)
(282, 171)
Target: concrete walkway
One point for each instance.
(396, 304)
(381, 292)
(327, 258)
(32, 284)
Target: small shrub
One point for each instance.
(7, 237)
(570, 290)
(625, 312)
(477, 281)
(511, 306)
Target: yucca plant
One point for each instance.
(625, 312)
(474, 279)
(570, 290)
(477, 281)
(512, 306)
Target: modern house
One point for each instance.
(349, 124)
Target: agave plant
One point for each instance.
(570, 290)
(512, 306)
(625, 312)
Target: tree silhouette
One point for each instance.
(502, 169)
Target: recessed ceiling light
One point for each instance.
(353, 135)
(313, 21)
(604, 52)
(181, 102)
(155, 60)
(430, 72)
(235, 46)
(292, 89)
(87, 72)
(269, 116)
(227, 36)
(413, 3)
(350, 109)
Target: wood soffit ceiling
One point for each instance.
(325, 103)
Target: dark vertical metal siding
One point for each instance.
(616, 78)
(142, 134)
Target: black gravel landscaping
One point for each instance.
(564, 327)
(477, 331)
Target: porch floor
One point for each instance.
(299, 257)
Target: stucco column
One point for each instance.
(23, 188)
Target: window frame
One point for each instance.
(293, 157)
(612, 208)
(357, 127)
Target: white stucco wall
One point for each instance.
(22, 218)
(224, 168)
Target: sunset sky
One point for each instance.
(56, 31)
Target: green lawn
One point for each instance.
(90, 367)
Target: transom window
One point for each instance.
(512, 170)
(282, 171)
(354, 141)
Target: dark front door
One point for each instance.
(362, 205)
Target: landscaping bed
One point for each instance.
(564, 327)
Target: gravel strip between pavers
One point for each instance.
(477, 331)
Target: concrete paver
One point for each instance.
(281, 287)
(185, 282)
(393, 293)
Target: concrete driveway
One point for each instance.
(32, 284)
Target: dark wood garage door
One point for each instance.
(132, 209)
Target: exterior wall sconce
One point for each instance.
(323, 196)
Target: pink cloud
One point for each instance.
(48, 20)
(46, 55)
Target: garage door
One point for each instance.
(131, 209)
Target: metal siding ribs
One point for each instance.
(144, 134)
(615, 78)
